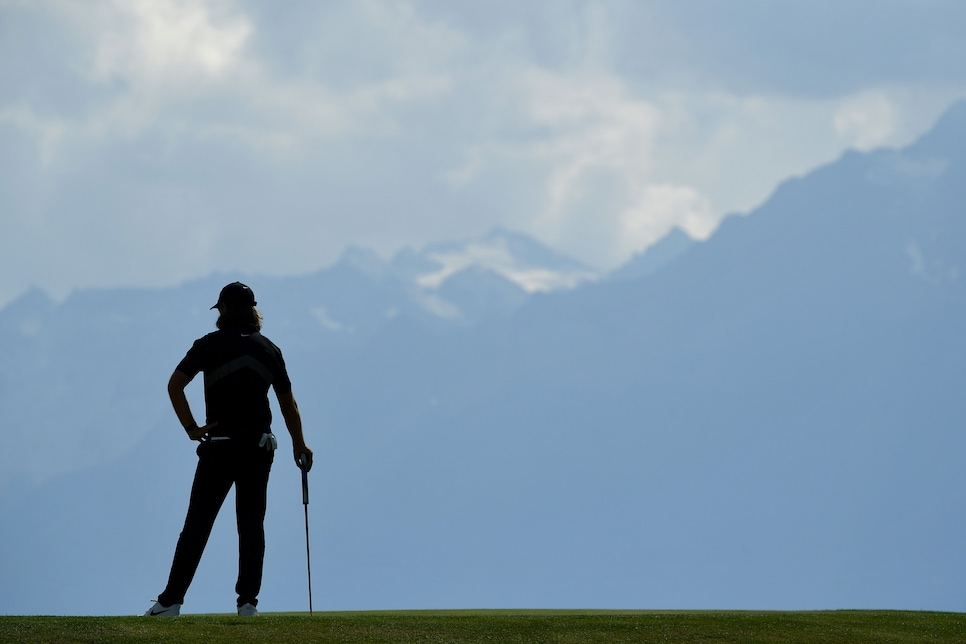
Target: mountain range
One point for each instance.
(769, 419)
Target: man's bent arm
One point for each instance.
(176, 384)
(293, 422)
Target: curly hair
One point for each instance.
(242, 319)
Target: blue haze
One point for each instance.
(770, 419)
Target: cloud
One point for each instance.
(867, 120)
(47, 132)
(816, 50)
(267, 137)
(185, 68)
(166, 41)
(657, 209)
(605, 196)
(593, 124)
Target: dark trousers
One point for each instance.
(222, 464)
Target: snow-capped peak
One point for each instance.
(519, 259)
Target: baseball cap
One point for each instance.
(236, 295)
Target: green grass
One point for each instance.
(501, 626)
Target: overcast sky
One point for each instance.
(146, 143)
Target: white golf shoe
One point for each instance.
(247, 610)
(163, 611)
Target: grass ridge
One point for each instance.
(496, 625)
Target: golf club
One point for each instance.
(304, 466)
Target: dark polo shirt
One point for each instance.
(239, 368)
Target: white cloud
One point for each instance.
(184, 68)
(167, 41)
(657, 209)
(272, 135)
(594, 125)
(590, 142)
(867, 120)
(137, 67)
(328, 322)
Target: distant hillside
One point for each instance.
(770, 419)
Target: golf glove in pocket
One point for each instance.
(268, 442)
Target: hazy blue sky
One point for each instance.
(145, 143)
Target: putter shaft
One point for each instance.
(303, 465)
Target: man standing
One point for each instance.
(237, 446)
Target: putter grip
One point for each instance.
(303, 465)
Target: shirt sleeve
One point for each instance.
(280, 380)
(193, 362)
